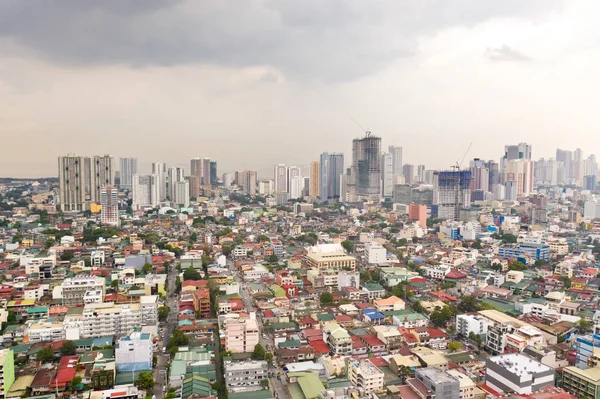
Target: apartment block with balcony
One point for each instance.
(364, 374)
(7, 371)
(582, 383)
(241, 336)
(337, 338)
(245, 376)
(75, 288)
(105, 319)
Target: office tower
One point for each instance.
(246, 179)
(181, 193)
(481, 175)
(128, 169)
(315, 179)
(510, 190)
(280, 177)
(545, 172)
(213, 174)
(196, 167)
(519, 151)
(578, 167)
(332, 169)
(195, 177)
(366, 167)
(429, 176)
(396, 163)
(565, 159)
(110, 205)
(266, 187)
(174, 175)
(296, 187)
(451, 192)
(206, 172)
(71, 184)
(306, 188)
(520, 171)
(387, 175)
(146, 191)
(590, 166)
(589, 182)
(409, 173)
(227, 180)
(293, 171)
(101, 174)
(159, 169)
(420, 173)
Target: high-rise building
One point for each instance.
(589, 182)
(565, 162)
(146, 191)
(213, 174)
(174, 175)
(366, 168)
(409, 173)
(314, 179)
(246, 179)
(590, 166)
(481, 175)
(519, 151)
(195, 178)
(71, 183)
(181, 193)
(397, 164)
(280, 177)
(159, 169)
(451, 192)
(227, 179)
(420, 173)
(80, 180)
(296, 187)
(418, 212)
(578, 167)
(266, 187)
(128, 169)
(387, 175)
(110, 205)
(293, 171)
(520, 171)
(331, 171)
(206, 172)
(545, 172)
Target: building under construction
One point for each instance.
(366, 167)
(451, 192)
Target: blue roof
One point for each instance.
(373, 314)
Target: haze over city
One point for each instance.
(252, 84)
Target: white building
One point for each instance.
(348, 279)
(467, 324)
(364, 374)
(517, 373)
(149, 308)
(45, 331)
(128, 169)
(134, 353)
(159, 169)
(104, 319)
(375, 253)
(245, 376)
(109, 199)
(75, 288)
(181, 194)
(146, 191)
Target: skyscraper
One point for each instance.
(174, 175)
(481, 175)
(213, 173)
(315, 179)
(451, 192)
(387, 175)
(409, 173)
(578, 167)
(366, 167)
(206, 172)
(331, 170)
(565, 161)
(396, 163)
(246, 179)
(296, 187)
(181, 193)
(195, 177)
(71, 183)
(520, 171)
(110, 205)
(128, 169)
(280, 177)
(146, 191)
(293, 171)
(101, 173)
(159, 169)
(519, 151)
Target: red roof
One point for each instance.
(435, 333)
(320, 347)
(268, 313)
(378, 361)
(236, 304)
(192, 283)
(455, 274)
(309, 332)
(357, 343)
(444, 297)
(371, 340)
(307, 320)
(343, 318)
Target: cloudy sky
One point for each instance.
(256, 82)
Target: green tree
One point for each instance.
(45, 355)
(440, 317)
(145, 381)
(272, 258)
(191, 274)
(163, 313)
(264, 384)
(49, 242)
(566, 281)
(193, 238)
(171, 393)
(326, 298)
(476, 244)
(259, 352)
(417, 307)
(227, 249)
(263, 237)
(75, 382)
(67, 255)
(114, 285)
(147, 268)
(468, 303)
(177, 339)
(509, 238)
(584, 326)
(68, 348)
(516, 265)
(454, 346)
(348, 246)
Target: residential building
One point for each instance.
(134, 352)
(181, 194)
(159, 169)
(280, 177)
(451, 192)
(366, 168)
(330, 176)
(109, 214)
(75, 288)
(443, 384)
(241, 335)
(582, 383)
(375, 253)
(146, 191)
(517, 373)
(174, 175)
(337, 338)
(364, 374)
(467, 324)
(128, 168)
(314, 187)
(7, 371)
(107, 319)
(387, 175)
(467, 387)
(418, 212)
(245, 376)
(246, 180)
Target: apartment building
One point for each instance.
(582, 383)
(517, 373)
(364, 374)
(245, 376)
(7, 371)
(75, 288)
(443, 384)
(106, 319)
(40, 263)
(134, 353)
(466, 385)
(149, 308)
(467, 324)
(45, 331)
(337, 338)
(241, 336)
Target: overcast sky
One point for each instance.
(252, 83)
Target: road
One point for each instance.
(265, 339)
(161, 378)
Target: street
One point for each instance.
(161, 378)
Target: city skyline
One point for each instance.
(511, 70)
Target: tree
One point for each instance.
(272, 258)
(440, 317)
(269, 357)
(114, 285)
(177, 339)
(145, 381)
(67, 255)
(417, 307)
(584, 326)
(163, 313)
(539, 262)
(68, 348)
(44, 355)
(147, 268)
(259, 352)
(476, 244)
(516, 265)
(264, 383)
(326, 298)
(75, 382)
(191, 274)
(566, 281)
(509, 238)
(193, 238)
(348, 246)
(454, 346)
(468, 303)
(263, 237)
(227, 249)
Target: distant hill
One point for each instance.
(7, 180)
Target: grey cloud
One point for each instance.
(328, 40)
(506, 53)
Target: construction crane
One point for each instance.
(459, 164)
(367, 132)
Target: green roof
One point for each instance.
(23, 348)
(309, 383)
(197, 385)
(41, 309)
(502, 306)
(325, 317)
(292, 343)
(262, 394)
(373, 287)
(284, 326)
